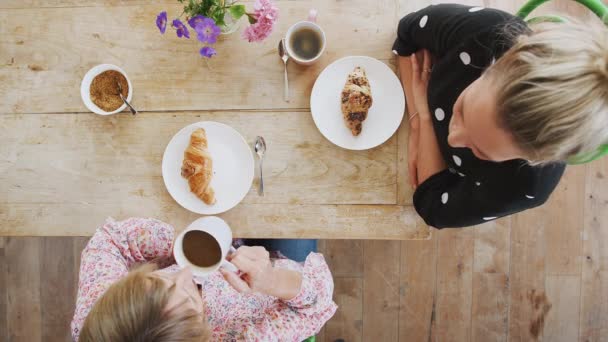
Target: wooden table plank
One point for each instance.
(417, 289)
(347, 323)
(454, 281)
(562, 323)
(3, 291)
(23, 289)
(58, 288)
(20, 4)
(389, 222)
(381, 290)
(79, 168)
(529, 304)
(594, 279)
(46, 59)
(564, 238)
(344, 257)
(490, 307)
(72, 158)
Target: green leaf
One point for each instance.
(237, 11)
(252, 20)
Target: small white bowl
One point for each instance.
(86, 85)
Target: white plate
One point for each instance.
(384, 116)
(232, 168)
(85, 87)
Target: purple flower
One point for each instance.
(206, 29)
(208, 51)
(196, 20)
(182, 30)
(161, 22)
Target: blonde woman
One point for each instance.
(493, 119)
(273, 300)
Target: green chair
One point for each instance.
(601, 10)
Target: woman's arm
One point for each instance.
(447, 200)
(305, 314)
(429, 160)
(304, 297)
(405, 74)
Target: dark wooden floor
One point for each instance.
(540, 275)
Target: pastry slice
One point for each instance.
(356, 99)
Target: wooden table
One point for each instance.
(63, 170)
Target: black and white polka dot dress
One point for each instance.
(466, 40)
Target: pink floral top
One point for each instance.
(118, 246)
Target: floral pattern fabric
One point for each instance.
(118, 246)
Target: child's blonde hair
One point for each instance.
(135, 309)
(553, 90)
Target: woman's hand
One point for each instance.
(258, 274)
(421, 72)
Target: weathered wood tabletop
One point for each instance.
(63, 169)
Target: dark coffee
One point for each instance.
(201, 249)
(306, 43)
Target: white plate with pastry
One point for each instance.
(357, 102)
(208, 167)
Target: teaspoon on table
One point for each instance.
(285, 57)
(133, 111)
(260, 149)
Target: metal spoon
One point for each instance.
(260, 149)
(285, 57)
(133, 111)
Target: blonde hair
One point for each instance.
(135, 309)
(553, 90)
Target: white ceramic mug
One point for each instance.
(220, 231)
(298, 26)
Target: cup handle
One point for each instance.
(230, 267)
(227, 264)
(312, 15)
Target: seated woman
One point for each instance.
(493, 121)
(272, 300)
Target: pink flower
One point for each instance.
(265, 14)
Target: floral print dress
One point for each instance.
(118, 246)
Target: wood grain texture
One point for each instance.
(110, 167)
(3, 292)
(417, 289)
(57, 287)
(564, 245)
(381, 290)
(594, 278)
(32, 4)
(23, 289)
(347, 323)
(563, 291)
(490, 295)
(246, 220)
(48, 58)
(122, 156)
(529, 304)
(344, 257)
(454, 284)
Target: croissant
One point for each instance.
(356, 100)
(197, 167)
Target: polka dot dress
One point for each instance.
(467, 40)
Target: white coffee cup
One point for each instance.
(299, 26)
(220, 231)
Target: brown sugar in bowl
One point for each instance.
(99, 92)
